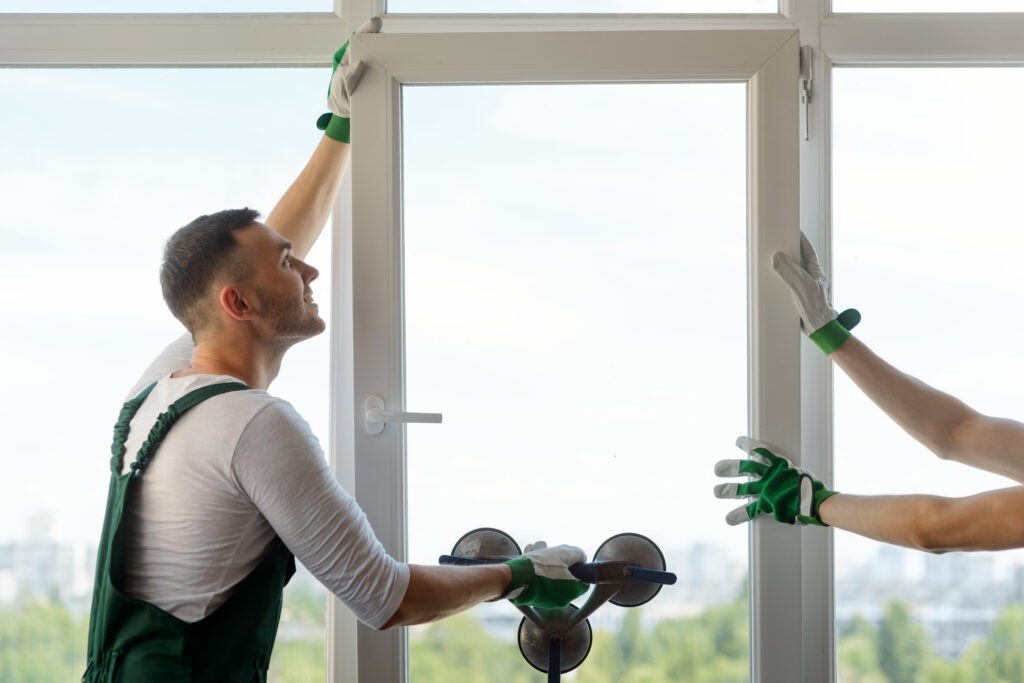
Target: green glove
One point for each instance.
(809, 287)
(789, 493)
(541, 577)
(336, 123)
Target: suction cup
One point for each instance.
(487, 544)
(638, 551)
(576, 641)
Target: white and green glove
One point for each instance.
(337, 123)
(542, 574)
(809, 287)
(782, 489)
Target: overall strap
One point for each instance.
(170, 416)
(121, 428)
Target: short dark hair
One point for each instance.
(195, 255)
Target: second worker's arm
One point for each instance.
(791, 495)
(942, 423)
(986, 521)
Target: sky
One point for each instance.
(927, 168)
(575, 282)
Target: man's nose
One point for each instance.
(309, 273)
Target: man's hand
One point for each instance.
(791, 494)
(344, 80)
(809, 287)
(544, 575)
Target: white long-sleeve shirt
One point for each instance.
(235, 473)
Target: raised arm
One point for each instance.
(302, 212)
(300, 215)
(942, 423)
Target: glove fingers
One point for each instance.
(749, 445)
(727, 491)
(342, 56)
(736, 468)
(353, 76)
(371, 25)
(739, 515)
(792, 273)
(537, 545)
(554, 563)
(809, 258)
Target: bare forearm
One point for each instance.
(438, 592)
(927, 414)
(987, 521)
(302, 212)
(944, 424)
(890, 519)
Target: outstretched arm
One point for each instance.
(943, 423)
(302, 212)
(986, 521)
(438, 592)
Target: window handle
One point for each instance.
(377, 417)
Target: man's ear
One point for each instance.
(236, 303)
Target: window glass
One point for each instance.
(97, 169)
(165, 6)
(575, 306)
(584, 6)
(927, 246)
(927, 5)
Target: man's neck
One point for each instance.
(242, 358)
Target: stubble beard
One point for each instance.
(290, 322)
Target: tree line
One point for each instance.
(42, 642)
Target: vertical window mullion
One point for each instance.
(776, 553)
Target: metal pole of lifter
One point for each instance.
(554, 659)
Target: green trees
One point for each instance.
(1000, 657)
(42, 642)
(708, 648)
(903, 646)
(899, 651)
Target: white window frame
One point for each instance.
(308, 39)
(768, 61)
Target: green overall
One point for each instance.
(134, 641)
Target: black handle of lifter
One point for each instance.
(590, 572)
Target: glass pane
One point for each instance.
(559, 312)
(168, 6)
(583, 6)
(926, 246)
(89, 199)
(928, 5)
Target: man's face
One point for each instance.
(280, 282)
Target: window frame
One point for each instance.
(861, 40)
(767, 61)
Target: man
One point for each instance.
(225, 485)
(948, 427)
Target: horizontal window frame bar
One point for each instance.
(975, 39)
(227, 40)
